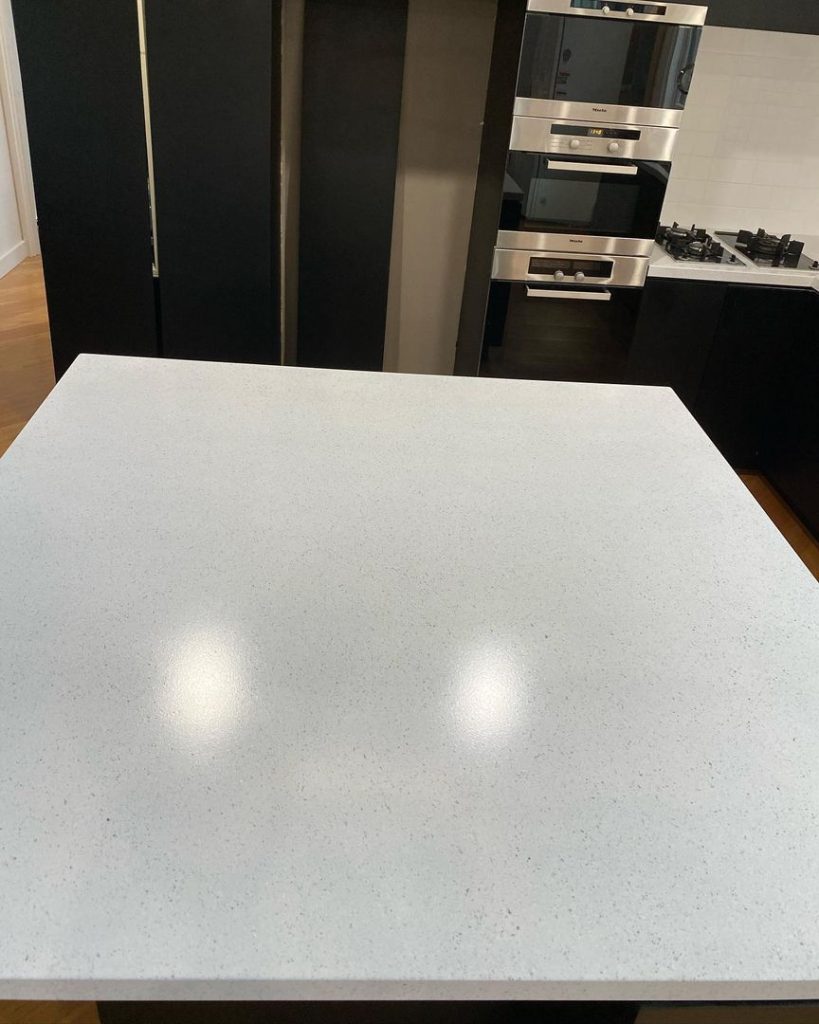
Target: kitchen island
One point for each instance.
(327, 685)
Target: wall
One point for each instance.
(12, 247)
(448, 49)
(748, 152)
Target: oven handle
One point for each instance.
(558, 293)
(569, 165)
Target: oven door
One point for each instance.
(556, 316)
(542, 332)
(608, 60)
(581, 204)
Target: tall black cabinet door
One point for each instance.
(351, 111)
(83, 95)
(213, 73)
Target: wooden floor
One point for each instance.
(48, 1013)
(26, 377)
(26, 370)
(800, 539)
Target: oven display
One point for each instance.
(596, 133)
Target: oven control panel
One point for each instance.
(566, 269)
(539, 267)
(578, 138)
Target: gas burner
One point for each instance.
(770, 251)
(783, 251)
(693, 244)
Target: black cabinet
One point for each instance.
(675, 330)
(83, 93)
(740, 358)
(215, 109)
(791, 456)
(744, 375)
(783, 16)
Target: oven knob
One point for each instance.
(574, 144)
(607, 10)
(580, 276)
(630, 12)
(559, 275)
(614, 147)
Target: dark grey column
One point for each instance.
(351, 113)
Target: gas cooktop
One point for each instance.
(769, 251)
(694, 245)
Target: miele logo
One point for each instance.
(600, 110)
(576, 241)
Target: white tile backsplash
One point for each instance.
(747, 154)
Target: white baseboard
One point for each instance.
(15, 255)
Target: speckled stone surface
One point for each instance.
(325, 684)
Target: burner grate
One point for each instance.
(759, 245)
(693, 244)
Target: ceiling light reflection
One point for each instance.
(204, 690)
(490, 695)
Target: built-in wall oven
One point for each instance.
(561, 316)
(595, 188)
(608, 60)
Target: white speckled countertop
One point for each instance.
(332, 684)
(663, 265)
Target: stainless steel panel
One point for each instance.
(590, 168)
(675, 14)
(534, 135)
(555, 293)
(578, 245)
(513, 265)
(661, 117)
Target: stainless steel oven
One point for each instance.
(595, 188)
(608, 60)
(560, 316)
(564, 273)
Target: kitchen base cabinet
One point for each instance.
(740, 358)
(791, 458)
(739, 395)
(675, 330)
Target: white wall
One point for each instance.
(18, 216)
(748, 153)
(12, 247)
(448, 49)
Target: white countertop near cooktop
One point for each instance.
(663, 265)
(325, 684)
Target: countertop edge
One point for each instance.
(196, 990)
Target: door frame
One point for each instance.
(13, 107)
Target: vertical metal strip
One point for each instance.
(146, 105)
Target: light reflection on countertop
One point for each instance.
(489, 696)
(204, 683)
